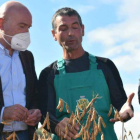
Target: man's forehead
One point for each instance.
(66, 19)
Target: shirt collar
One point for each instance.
(5, 51)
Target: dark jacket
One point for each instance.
(27, 61)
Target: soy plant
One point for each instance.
(94, 121)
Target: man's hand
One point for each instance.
(34, 117)
(15, 113)
(71, 131)
(126, 110)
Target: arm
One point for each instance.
(47, 97)
(125, 108)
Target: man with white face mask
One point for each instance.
(18, 79)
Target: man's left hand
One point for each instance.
(126, 110)
(34, 117)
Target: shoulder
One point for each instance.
(108, 63)
(51, 69)
(26, 53)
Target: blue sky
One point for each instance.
(112, 29)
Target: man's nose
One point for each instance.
(70, 32)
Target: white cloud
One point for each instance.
(84, 9)
(122, 40)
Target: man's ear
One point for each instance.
(83, 30)
(54, 36)
(1, 23)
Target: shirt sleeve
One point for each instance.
(113, 79)
(47, 98)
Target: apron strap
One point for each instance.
(60, 66)
(93, 63)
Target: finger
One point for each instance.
(36, 113)
(23, 108)
(130, 97)
(131, 113)
(114, 120)
(70, 135)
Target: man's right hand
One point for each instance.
(71, 131)
(15, 113)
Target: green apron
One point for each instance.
(77, 89)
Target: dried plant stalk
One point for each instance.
(110, 111)
(83, 114)
(91, 102)
(138, 136)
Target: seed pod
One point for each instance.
(92, 136)
(102, 136)
(10, 137)
(71, 118)
(116, 114)
(81, 132)
(14, 136)
(99, 124)
(59, 104)
(48, 121)
(93, 117)
(6, 122)
(103, 123)
(66, 131)
(85, 135)
(88, 122)
(34, 137)
(67, 108)
(95, 126)
(110, 111)
(124, 137)
(88, 135)
(62, 106)
(73, 122)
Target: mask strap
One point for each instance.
(4, 38)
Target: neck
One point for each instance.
(6, 46)
(73, 54)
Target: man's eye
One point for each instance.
(63, 28)
(75, 26)
(22, 26)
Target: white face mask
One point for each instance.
(19, 41)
